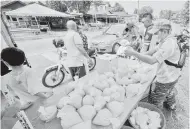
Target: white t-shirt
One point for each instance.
(25, 85)
(74, 57)
(168, 50)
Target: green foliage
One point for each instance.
(57, 5)
(143, 10)
(166, 14)
(118, 8)
(79, 6)
(146, 9)
(185, 13)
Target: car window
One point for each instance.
(43, 23)
(115, 29)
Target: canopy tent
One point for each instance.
(99, 13)
(37, 10)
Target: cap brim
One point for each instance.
(153, 30)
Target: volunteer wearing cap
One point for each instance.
(147, 21)
(167, 76)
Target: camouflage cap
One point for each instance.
(161, 25)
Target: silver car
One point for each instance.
(109, 40)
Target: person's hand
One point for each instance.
(129, 51)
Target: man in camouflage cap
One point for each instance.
(167, 75)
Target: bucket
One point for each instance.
(152, 108)
(126, 127)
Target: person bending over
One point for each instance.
(21, 81)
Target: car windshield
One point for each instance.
(115, 29)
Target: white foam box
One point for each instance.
(106, 62)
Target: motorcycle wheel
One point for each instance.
(91, 67)
(56, 80)
(115, 47)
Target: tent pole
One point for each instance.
(18, 20)
(37, 23)
(48, 23)
(25, 22)
(7, 35)
(95, 18)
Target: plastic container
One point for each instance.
(152, 108)
(127, 127)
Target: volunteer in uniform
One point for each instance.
(148, 24)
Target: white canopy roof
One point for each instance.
(37, 10)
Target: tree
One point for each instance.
(166, 14)
(146, 9)
(118, 8)
(185, 13)
(109, 5)
(143, 10)
(57, 5)
(79, 6)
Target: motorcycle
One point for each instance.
(56, 73)
(183, 40)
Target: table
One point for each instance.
(106, 62)
(130, 104)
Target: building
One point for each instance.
(100, 13)
(35, 16)
(8, 6)
(103, 13)
(11, 5)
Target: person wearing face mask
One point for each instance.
(167, 75)
(148, 24)
(21, 81)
